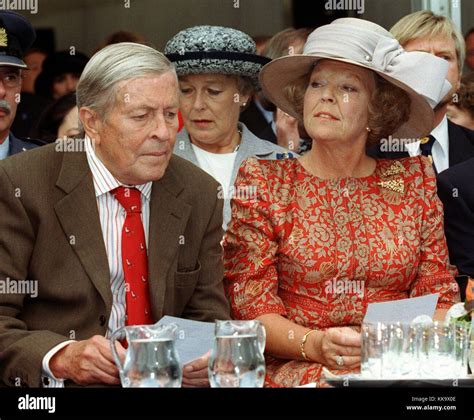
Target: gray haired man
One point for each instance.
(70, 223)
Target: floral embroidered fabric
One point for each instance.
(318, 251)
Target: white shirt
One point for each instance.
(112, 217)
(219, 166)
(440, 151)
(4, 148)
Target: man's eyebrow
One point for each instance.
(150, 108)
(445, 52)
(427, 50)
(141, 108)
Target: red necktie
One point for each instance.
(134, 258)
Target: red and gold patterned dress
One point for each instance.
(318, 251)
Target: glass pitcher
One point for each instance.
(237, 359)
(151, 360)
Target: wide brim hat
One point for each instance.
(215, 49)
(362, 43)
(16, 36)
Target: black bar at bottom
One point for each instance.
(404, 403)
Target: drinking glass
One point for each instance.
(436, 355)
(373, 336)
(461, 348)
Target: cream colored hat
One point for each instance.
(356, 41)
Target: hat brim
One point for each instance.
(10, 61)
(278, 74)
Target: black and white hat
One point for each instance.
(215, 49)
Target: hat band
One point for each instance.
(10, 52)
(218, 55)
(383, 54)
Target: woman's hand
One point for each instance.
(336, 342)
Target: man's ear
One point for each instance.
(91, 122)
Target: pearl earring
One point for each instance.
(368, 129)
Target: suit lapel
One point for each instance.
(168, 218)
(15, 145)
(79, 217)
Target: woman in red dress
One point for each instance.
(314, 240)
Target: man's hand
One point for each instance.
(87, 362)
(195, 373)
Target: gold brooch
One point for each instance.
(397, 185)
(395, 169)
(3, 38)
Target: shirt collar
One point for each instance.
(104, 181)
(5, 148)
(440, 133)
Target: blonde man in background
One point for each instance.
(448, 144)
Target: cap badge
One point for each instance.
(3, 38)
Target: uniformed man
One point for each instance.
(16, 36)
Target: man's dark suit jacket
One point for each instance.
(456, 191)
(461, 146)
(254, 120)
(17, 145)
(51, 233)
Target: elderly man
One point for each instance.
(72, 224)
(448, 144)
(16, 36)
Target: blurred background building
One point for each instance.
(85, 24)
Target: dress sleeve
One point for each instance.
(435, 273)
(250, 246)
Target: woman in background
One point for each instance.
(218, 72)
(60, 120)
